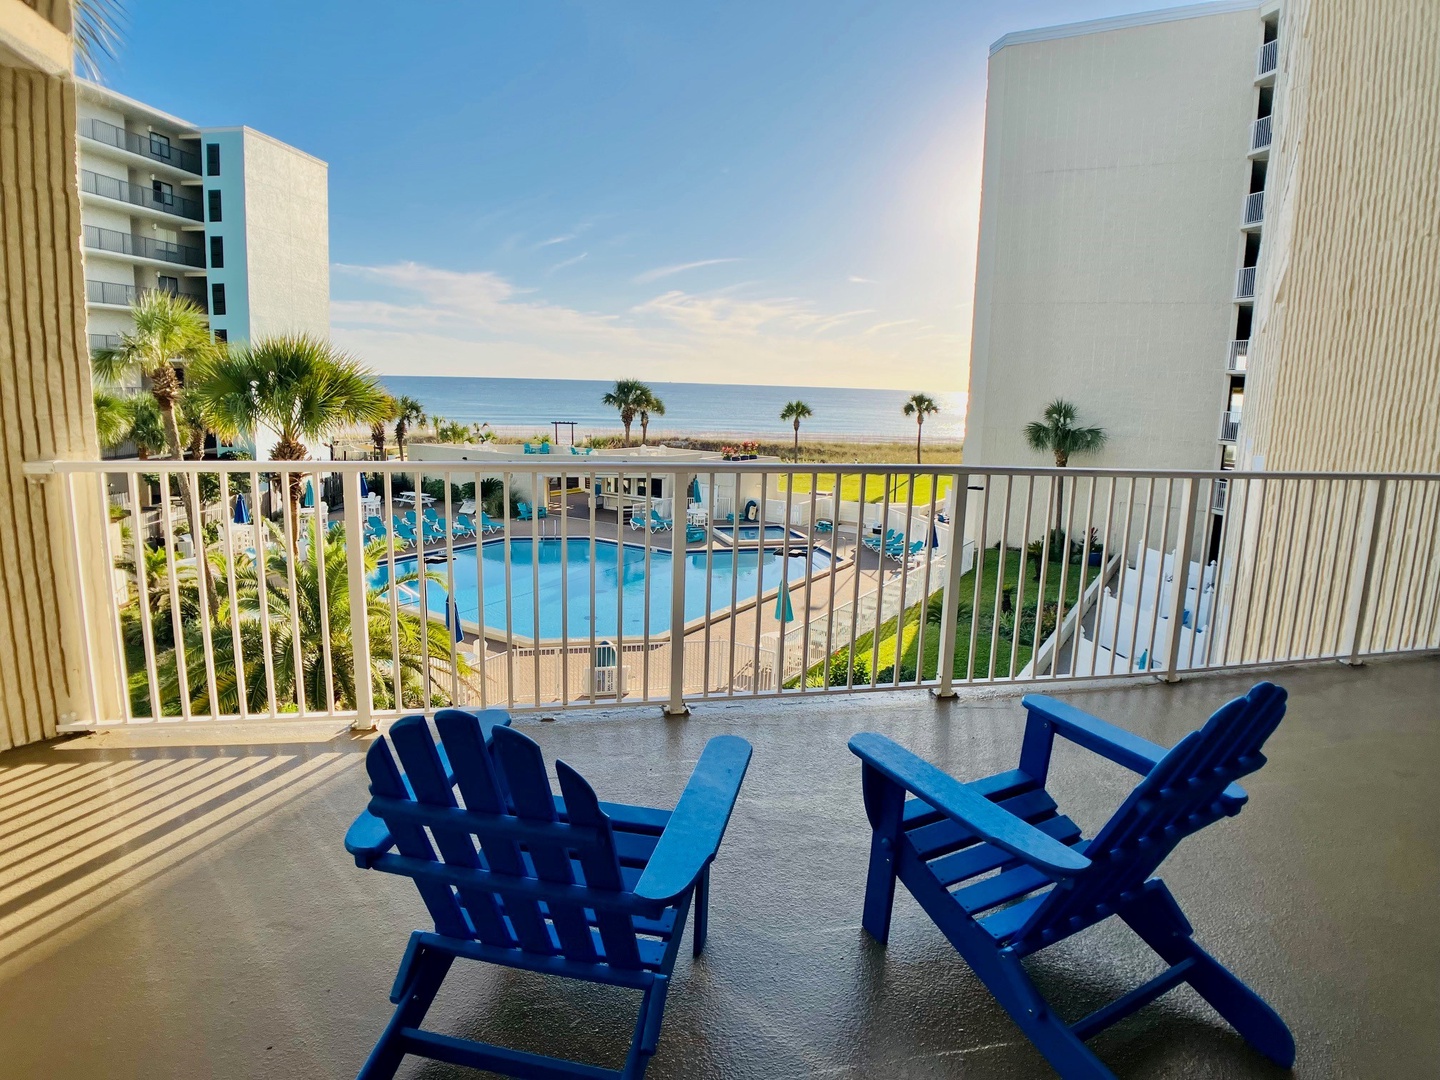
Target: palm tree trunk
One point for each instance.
(919, 430)
(1061, 460)
(627, 424)
(644, 428)
(166, 401)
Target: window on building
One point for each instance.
(222, 335)
(212, 159)
(217, 252)
(160, 145)
(166, 283)
(164, 193)
(214, 206)
(217, 299)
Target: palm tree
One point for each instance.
(408, 411)
(627, 396)
(169, 330)
(129, 418)
(649, 403)
(377, 429)
(919, 406)
(300, 387)
(795, 411)
(425, 644)
(1057, 433)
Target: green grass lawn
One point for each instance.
(901, 636)
(874, 488)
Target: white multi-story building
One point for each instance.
(229, 217)
(1122, 210)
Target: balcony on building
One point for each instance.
(1245, 283)
(1229, 425)
(1238, 357)
(109, 294)
(1267, 60)
(154, 147)
(143, 249)
(1253, 214)
(158, 199)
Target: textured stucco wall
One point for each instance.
(1115, 170)
(287, 238)
(45, 413)
(1345, 365)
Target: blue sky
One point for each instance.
(779, 192)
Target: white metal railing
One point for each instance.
(1239, 356)
(1229, 425)
(1254, 213)
(1268, 59)
(915, 576)
(1260, 134)
(1245, 283)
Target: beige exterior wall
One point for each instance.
(1345, 359)
(287, 238)
(46, 659)
(1115, 172)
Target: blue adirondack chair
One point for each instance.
(1052, 883)
(565, 885)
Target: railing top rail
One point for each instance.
(585, 465)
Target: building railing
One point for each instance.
(114, 293)
(1260, 134)
(104, 341)
(98, 239)
(1245, 283)
(917, 577)
(1239, 356)
(1254, 213)
(1268, 59)
(1229, 425)
(155, 147)
(168, 202)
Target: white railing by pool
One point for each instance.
(834, 579)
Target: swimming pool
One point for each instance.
(752, 532)
(611, 594)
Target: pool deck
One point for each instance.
(177, 902)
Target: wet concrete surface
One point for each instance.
(181, 906)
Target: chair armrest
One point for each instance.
(957, 802)
(693, 834)
(1124, 748)
(367, 839)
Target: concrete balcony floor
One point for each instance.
(179, 904)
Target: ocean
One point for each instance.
(528, 407)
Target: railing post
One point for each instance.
(1363, 572)
(679, 504)
(950, 602)
(1183, 551)
(359, 625)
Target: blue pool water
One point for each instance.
(574, 582)
(752, 532)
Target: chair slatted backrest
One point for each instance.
(512, 830)
(1182, 794)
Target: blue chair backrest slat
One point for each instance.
(524, 767)
(1183, 793)
(484, 792)
(601, 866)
(426, 773)
(386, 781)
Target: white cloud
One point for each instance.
(679, 268)
(556, 240)
(568, 262)
(856, 280)
(407, 318)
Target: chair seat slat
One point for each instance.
(945, 836)
(951, 870)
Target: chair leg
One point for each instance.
(427, 971)
(1157, 918)
(702, 912)
(879, 888)
(647, 1030)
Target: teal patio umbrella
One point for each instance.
(452, 621)
(309, 499)
(783, 611)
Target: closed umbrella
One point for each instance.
(309, 499)
(242, 511)
(783, 611)
(364, 487)
(452, 621)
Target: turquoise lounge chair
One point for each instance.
(694, 534)
(405, 533)
(464, 526)
(660, 524)
(489, 524)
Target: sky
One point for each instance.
(781, 192)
